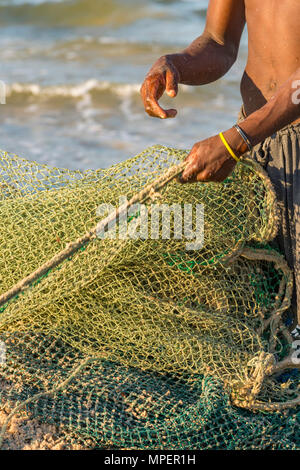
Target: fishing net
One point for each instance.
(142, 313)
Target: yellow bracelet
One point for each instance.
(228, 147)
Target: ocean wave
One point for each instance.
(71, 13)
(31, 2)
(71, 91)
(88, 47)
(81, 90)
(94, 93)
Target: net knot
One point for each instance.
(155, 195)
(263, 365)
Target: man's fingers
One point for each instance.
(204, 177)
(189, 174)
(193, 169)
(151, 92)
(171, 84)
(194, 177)
(154, 110)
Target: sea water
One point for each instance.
(73, 70)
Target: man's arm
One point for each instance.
(282, 109)
(210, 161)
(205, 60)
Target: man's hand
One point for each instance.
(163, 76)
(208, 161)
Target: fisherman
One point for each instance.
(269, 122)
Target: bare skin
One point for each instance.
(267, 86)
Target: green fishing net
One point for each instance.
(148, 336)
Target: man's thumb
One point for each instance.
(171, 84)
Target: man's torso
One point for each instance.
(274, 49)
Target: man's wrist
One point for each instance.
(177, 60)
(236, 142)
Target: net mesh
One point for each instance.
(135, 341)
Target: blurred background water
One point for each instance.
(73, 69)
